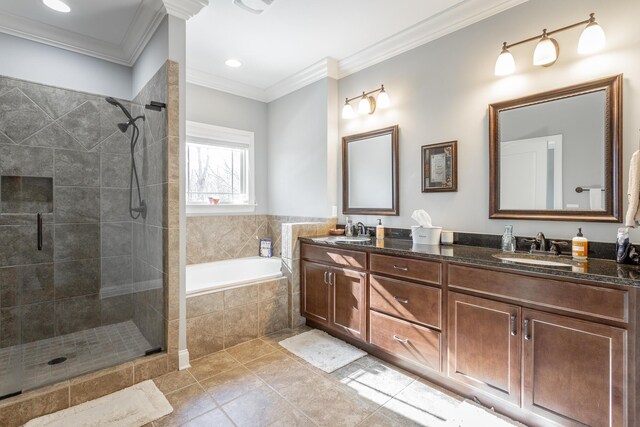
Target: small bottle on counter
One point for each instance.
(348, 228)
(508, 240)
(379, 230)
(580, 246)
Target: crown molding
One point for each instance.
(147, 19)
(202, 78)
(461, 15)
(448, 21)
(327, 67)
(184, 9)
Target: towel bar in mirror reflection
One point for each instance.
(543, 147)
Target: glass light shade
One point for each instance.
(546, 52)
(364, 107)
(347, 111)
(592, 39)
(57, 5)
(383, 99)
(505, 64)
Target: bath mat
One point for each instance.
(131, 407)
(322, 350)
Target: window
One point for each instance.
(219, 169)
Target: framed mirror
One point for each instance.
(370, 173)
(557, 155)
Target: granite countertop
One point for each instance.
(599, 270)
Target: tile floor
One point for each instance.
(26, 365)
(259, 383)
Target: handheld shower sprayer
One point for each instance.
(141, 210)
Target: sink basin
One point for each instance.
(345, 239)
(541, 260)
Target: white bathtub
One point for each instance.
(232, 273)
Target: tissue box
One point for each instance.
(425, 235)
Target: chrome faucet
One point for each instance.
(362, 230)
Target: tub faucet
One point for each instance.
(362, 230)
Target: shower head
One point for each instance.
(114, 102)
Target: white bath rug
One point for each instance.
(131, 407)
(322, 350)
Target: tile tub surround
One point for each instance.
(223, 319)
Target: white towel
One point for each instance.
(595, 199)
(633, 192)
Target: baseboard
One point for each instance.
(183, 359)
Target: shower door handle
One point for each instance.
(39, 231)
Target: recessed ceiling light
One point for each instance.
(233, 63)
(57, 5)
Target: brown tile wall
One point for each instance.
(224, 319)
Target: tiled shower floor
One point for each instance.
(86, 351)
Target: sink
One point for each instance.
(541, 260)
(345, 239)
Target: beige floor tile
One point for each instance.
(215, 418)
(213, 364)
(296, 384)
(188, 403)
(377, 419)
(260, 407)
(377, 382)
(294, 419)
(276, 337)
(174, 381)
(231, 384)
(272, 363)
(251, 350)
(338, 408)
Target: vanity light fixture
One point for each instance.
(367, 103)
(547, 50)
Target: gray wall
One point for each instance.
(40, 63)
(301, 157)
(440, 92)
(154, 55)
(222, 109)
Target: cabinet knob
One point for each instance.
(402, 340)
(402, 300)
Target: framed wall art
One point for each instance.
(440, 167)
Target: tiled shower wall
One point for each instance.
(71, 139)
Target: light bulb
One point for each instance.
(592, 38)
(383, 99)
(505, 64)
(364, 107)
(57, 5)
(347, 111)
(233, 63)
(546, 52)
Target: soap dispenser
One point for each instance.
(580, 246)
(379, 230)
(508, 240)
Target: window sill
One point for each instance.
(203, 210)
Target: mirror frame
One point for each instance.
(613, 153)
(395, 207)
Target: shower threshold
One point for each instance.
(83, 351)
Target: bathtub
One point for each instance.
(233, 273)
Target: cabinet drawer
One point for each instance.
(407, 340)
(612, 304)
(425, 271)
(353, 259)
(410, 301)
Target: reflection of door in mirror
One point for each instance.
(537, 162)
(549, 149)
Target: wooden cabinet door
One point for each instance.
(573, 370)
(348, 312)
(315, 291)
(484, 345)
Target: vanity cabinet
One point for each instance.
(484, 345)
(332, 295)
